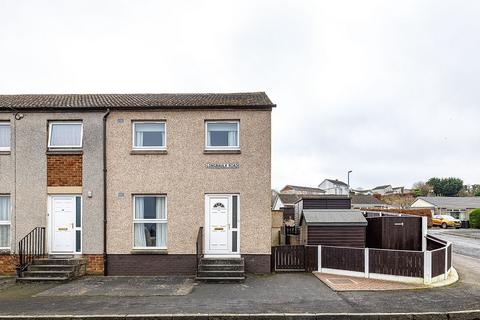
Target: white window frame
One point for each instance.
(134, 147)
(7, 223)
(51, 123)
(237, 147)
(7, 123)
(162, 221)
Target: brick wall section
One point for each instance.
(64, 170)
(7, 264)
(94, 264)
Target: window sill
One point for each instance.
(64, 151)
(149, 251)
(5, 153)
(5, 252)
(134, 152)
(222, 151)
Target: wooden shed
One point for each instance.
(320, 202)
(333, 227)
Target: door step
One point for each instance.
(54, 269)
(223, 270)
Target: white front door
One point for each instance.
(62, 224)
(221, 224)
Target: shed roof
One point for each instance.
(147, 100)
(320, 196)
(303, 189)
(365, 199)
(334, 217)
(453, 202)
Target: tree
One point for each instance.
(475, 218)
(447, 187)
(421, 188)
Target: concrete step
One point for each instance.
(51, 267)
(46, 261)
(223, 274)
(221, 279)
(39, 279)
(221, 267)
(47, 274)
(222, 261)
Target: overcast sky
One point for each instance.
(388, 89)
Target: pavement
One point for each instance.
(283, 293)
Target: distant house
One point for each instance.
(361, 191)
(301, 190)
(361, 201)
(398, 190)
(382, 190)
(283, 200)
(458, 207)
(336, 187)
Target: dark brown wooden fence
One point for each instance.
(295, 258)
(342, 258)
(395, 262)
(438, 262)
(289, 258)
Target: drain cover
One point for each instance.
(341, 281)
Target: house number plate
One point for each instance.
(223, 165)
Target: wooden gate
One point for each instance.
(294, 258)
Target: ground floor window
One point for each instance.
(5, 222)
(150, 222)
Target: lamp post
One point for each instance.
(348, 179)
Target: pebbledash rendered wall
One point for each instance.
(182, 175)
(23, 175)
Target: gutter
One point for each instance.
(105, 262)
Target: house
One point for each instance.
(301, 190)
(458, 207)
(382, 190)
(335, 187)
(361, 191)
(285, 202)
(137, 184)
(333, 227)
(360, 201)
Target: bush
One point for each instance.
(475, 219)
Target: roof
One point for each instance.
(304, 189)
(453, 202)
(125, 101)
(289, 198)
(335, 217)
(337, 182)
(365, 199)
(382, 187)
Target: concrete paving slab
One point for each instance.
(123, 287)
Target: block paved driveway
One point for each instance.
(280, 293)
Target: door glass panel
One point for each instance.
(78, 212)
(234, 211)
(234, 241)
(78, 238)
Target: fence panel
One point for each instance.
(342, 258)
(289, 258)
(449, 258)
(438, 262)
(311, 258)
(394, 262)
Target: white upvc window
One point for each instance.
(65, 135)
(5, 222)
(5, 136)
(220, 135)
(149, 222)
(149, 135)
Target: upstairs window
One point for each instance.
(5, 136)
(222, 135)
(149, 135)
(5, 221)
(65, 135)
